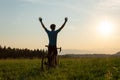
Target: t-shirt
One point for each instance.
(52, 35)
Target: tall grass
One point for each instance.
(68, 69)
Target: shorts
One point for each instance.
(52, 50)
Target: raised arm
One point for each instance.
(66, 19)
(40, 19)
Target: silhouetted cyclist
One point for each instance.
(52, 35)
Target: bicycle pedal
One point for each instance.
(45, 63)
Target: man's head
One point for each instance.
(52, 26)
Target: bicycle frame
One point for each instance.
(43, 57)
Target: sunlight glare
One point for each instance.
(105, 28)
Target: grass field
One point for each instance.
(68, 69)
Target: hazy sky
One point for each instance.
(20, 28)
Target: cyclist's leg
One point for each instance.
(55, 56)
(49, 55)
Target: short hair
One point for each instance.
(52, 26)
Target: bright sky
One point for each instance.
(92, 24)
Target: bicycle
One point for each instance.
(44, 61)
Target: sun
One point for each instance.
(106, 28)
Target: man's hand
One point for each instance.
(66, 19)
(40, 19)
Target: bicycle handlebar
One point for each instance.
(57, 48)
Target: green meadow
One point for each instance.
(69, 69)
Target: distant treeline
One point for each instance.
(8, 52)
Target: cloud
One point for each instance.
(109, 4)
(41, 1)
(31, 1)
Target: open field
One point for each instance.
(68, 69)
